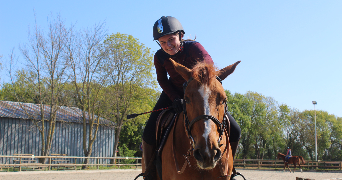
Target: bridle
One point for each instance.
(221, 127)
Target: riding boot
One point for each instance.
(148, 166)
(234, 146)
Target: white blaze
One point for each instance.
(205, 92)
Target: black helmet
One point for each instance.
(166, 25)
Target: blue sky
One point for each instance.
(289, 50)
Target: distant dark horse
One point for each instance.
(292, 160)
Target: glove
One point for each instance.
(178, 105)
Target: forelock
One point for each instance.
(203, 72)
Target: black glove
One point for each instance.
(178, 105)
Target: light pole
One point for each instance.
(314, 103)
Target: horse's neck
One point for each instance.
(282, 156)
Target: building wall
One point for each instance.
(21, 136)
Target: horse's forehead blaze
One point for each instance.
(204, 91)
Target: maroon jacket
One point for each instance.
(191, 53)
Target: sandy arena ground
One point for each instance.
(130, 175)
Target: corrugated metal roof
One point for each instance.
(21, 110)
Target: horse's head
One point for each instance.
(205, 117)
(302, 159)
(280, 156)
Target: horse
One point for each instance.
(292, 160)
(198, 144)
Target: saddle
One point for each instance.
(287, 157)
(164, 125)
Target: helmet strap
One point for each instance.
(180, 39)
(158, 43)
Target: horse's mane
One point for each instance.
(281, 154)
(202, 72)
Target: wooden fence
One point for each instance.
(74, 162)
(31, 161)
(259, 164)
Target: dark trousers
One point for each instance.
(149, 135)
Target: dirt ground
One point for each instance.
(131, 174)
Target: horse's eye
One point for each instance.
(186, 99)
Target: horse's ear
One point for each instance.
(223, 73)
(182, 70)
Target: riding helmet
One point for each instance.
(166, 25)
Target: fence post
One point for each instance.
(49, 163)
(97, 162)
(20, 164)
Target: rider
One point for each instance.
(288, 154)
(168, 32)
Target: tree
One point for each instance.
(241, 109)
(21, 89)
(334, 153)
(129, 65)
(85, 56)
(46, 73)
(132, 129)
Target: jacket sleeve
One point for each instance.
(163, 80)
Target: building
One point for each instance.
(20, 135)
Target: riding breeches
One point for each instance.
(149, 135)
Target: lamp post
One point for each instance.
(314, 103)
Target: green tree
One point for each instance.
(129, 66)
(241, 109)
(258, 130)
(305, 130)
(334, 153)
(132, 130)
(272, 138)
(23, 89)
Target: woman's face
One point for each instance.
(170, 43)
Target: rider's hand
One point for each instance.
(178, 105)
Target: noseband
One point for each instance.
(221, 127)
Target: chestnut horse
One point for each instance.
(198, 144)
(292, 160)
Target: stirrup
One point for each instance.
(237, 174)
(144, 175)
(141, 174)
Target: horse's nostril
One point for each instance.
(198, 156)
(217, 155)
